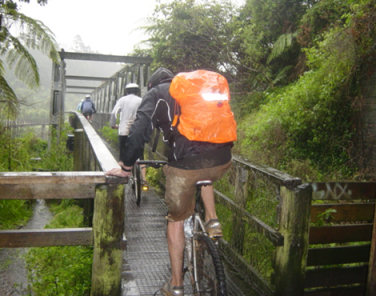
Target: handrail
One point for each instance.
(278, 177)
(104, 157)
(273, 235)
(52, 178)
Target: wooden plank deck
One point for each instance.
(146, 263)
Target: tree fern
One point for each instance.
(33, 34)
(8, 99)
(283, 43)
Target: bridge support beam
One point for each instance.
(108, 229)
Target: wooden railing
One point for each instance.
(92, 159)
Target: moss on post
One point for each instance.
(78, 147)
(291, 258)
(108, 227)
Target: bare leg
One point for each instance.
(176, 242)
(143, 172)
(207, 194)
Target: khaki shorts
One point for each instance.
(181, 188)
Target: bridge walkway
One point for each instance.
(146, 262)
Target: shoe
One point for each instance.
(167, 290)
(213, 228)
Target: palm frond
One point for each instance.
(281, 45)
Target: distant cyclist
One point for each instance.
(188, 162)
(125, 113)
(88, 108)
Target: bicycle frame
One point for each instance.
(194, 228)
(197, 224)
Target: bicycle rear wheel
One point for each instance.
(210, 276)
(137, 183)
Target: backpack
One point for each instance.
(87, 106)
(205, 114)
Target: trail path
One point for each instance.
(13, 275)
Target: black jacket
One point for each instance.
(157, 111)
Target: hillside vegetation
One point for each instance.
(296, 70)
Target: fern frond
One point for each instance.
(283, 43)
(37, 36)
(8, 98)
(281, 74)
(23, 62)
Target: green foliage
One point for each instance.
(61, 270)
(18, 155)
(242, 104)
(309, 119)
(187, 35)
(33, 34)
(283, 42)
(262, 203)
(320, 18)
(266, 45)
(66, 214)
(110, 135)
(14, 213)
(307, 127)
(15, 154)
(324, 217)
(155, 178)
(58, 158)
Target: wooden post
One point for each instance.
(240, 195)
(77, 152)
(291, 258)
(80, 164)
(371, 281)
(108, 228)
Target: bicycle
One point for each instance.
(202, 260)
(136, 180)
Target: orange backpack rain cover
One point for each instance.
(205, 113)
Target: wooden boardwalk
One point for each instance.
(146, 261)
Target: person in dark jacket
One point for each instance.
(87, 108)
(188, 162)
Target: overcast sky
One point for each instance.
(108, 27)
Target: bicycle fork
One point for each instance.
(192, 226)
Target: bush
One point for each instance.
(14, 213)
(110, 135)
(310, 119)
(61, 270)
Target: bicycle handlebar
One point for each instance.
(152, 163)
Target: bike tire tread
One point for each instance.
(217, 262)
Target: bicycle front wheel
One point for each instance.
(137, 183)
(209, 276)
